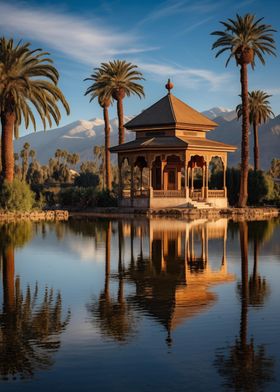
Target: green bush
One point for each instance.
(16, 196)
(78, 197)
(81, 198)
(87, 180)
(260, 186)
(106, 199)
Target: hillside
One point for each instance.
(269, 140)
(80, 137)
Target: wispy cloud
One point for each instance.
(191, 77)
(195, 25)
(169, 8)
(75, 37)
(273, 91)
(89, 43)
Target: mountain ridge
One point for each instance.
(81, 135)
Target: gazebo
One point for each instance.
(172, 156)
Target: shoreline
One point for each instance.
(248, 213)
(236, 214)
(35, 216)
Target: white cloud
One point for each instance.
(190, 77)
(76, 37)
(273, 90)
(90, 43)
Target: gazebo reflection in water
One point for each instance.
(169, 268)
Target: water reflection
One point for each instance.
(114, 315)
(245, 366)
(170, 284)
(29, 325)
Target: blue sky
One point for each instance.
(165, 38)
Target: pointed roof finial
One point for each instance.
(169, 85)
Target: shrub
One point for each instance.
(87, 180)
(86, 198)
(106, 199)
(78, 197)
(260, 186)
(16, 196)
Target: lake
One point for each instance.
(140, 305)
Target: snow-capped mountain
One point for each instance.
(82, 135)
(220, 112)
(79, 136)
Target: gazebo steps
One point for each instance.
(200, 205)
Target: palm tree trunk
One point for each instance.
(108, 261)
(107, 146)
(256, 147)
(7, 147)
(120, 117)
(8, 278)
(243, 190)
(243, 231)
(256, 255)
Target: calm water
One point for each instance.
(140, 305)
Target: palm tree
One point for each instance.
(119, 79)
(98, 90)
(100, 157)
(260, 112)
(28, 81)
(245, 38)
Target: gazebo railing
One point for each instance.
(195, 194)
(141, 193)
(216, 193)
(169, 193)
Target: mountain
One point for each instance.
(220, 113)
(80, 137)
(269, 140)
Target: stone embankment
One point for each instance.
(236, 214)
(36, 216)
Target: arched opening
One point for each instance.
(141, 177)
(157, 173)
(198, 178)
(216, 171)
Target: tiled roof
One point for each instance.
(172, 142)
(170, 110)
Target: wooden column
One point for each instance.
(132, 182)
(203, 181)
(120, 177)
(206, 179)
(192, 180)
(178, 179)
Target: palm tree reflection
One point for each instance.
(113, 315)
(29, 328)
(246, 367)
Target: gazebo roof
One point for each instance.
(171, 111)
(173, 142)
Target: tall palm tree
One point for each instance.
(99, 153)
(28, 81)
(245, 38)
(119, 79)
(260, 112)
(98, 90)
